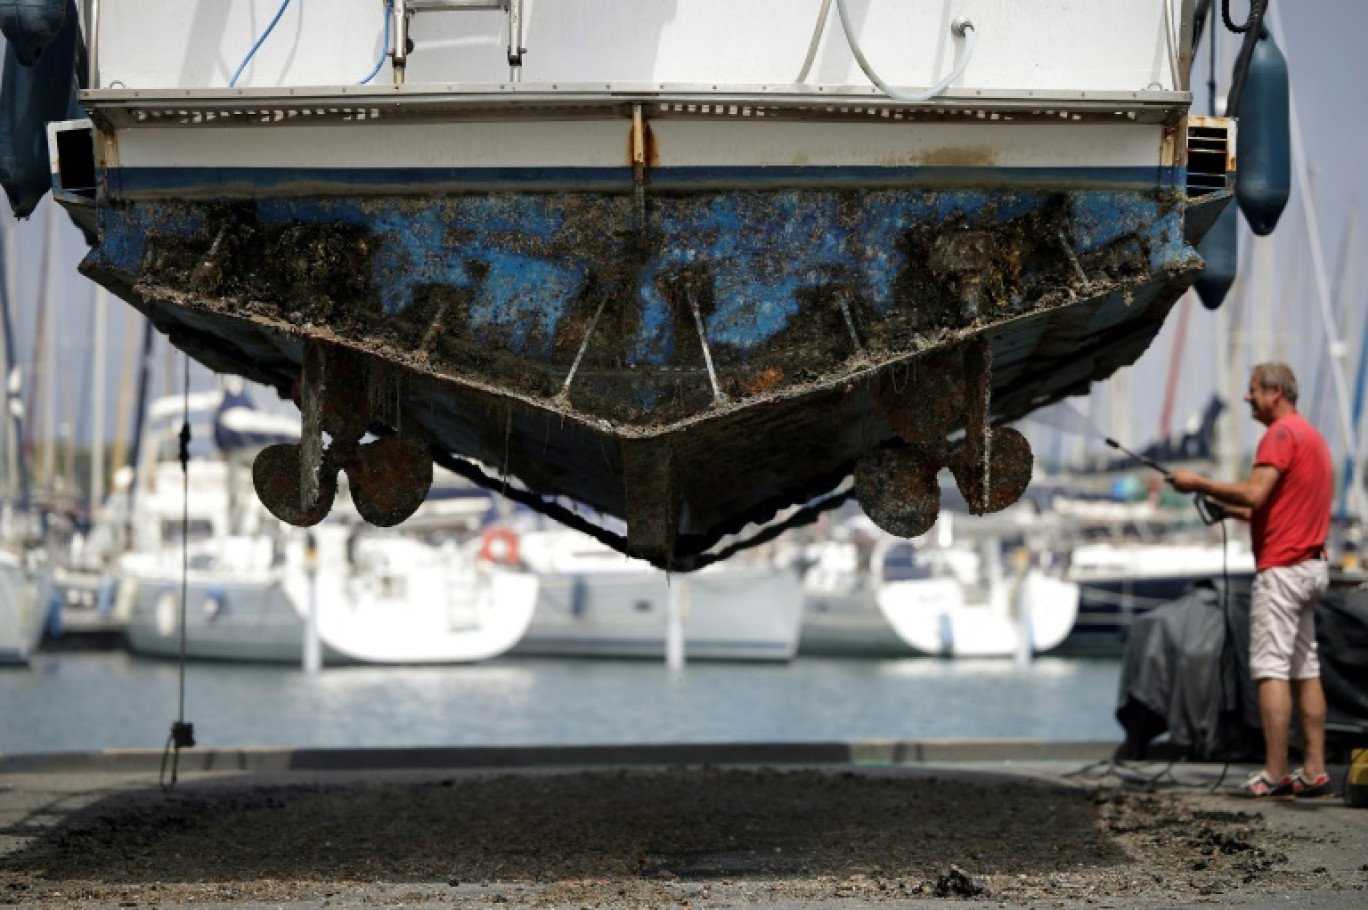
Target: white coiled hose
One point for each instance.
(960, 27)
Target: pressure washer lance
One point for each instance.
(1210, 510)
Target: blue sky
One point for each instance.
(1322, 40)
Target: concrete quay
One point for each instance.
(784, 825)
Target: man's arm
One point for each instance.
(1249, 494)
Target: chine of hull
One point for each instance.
(701, 368)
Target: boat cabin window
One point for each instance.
(905, 561)
(199, 529)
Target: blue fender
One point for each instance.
(1220, 248)
(31, 98)
(31, 25)
(1264, 145)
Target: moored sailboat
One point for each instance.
(595, 602)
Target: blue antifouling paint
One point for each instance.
(1221, 250)
(521, 300)
(1264, 144)
(31, 25)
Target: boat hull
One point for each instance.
(934, 616)
(1119, 582)
(656, 273)
(24, 606)
(401, 601)
(848, 624)
(729, 366)
(227, 618)
(746, 613)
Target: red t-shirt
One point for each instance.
(1295, 519)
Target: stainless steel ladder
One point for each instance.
(404, 9)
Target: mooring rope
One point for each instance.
(182, 734)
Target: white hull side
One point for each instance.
(1101, 563)
(227, 617)
(933, 616)
(737, 143)
(23, 610)
(848, 624)
(408, 603)
(734, 613)
(1099, 45)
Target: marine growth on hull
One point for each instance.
(793, 337)
(644, 261)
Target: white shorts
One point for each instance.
(1282, 620)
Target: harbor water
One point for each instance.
(110, 700)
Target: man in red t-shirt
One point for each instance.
(1287, 500)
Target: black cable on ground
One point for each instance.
(182, 734)
(1127, 773)
(1227, 640)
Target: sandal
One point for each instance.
(1261, 786)
(1305, 788)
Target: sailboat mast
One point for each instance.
(139, 416)
(1343, 295)
(39, 349)
(1356, 494)
(128, 366)
(14, 414)
(7, 293)
(50, 389)
(97, 412)
(1175, 363)
(1347, 481)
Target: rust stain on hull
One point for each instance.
(959, 156)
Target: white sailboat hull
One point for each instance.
(411, 603)
(23, 610)
(847, 624)
(596, 603)
(934, 616)
(228, 616)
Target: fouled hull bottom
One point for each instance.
(703, 368)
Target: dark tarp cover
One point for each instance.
(1186, 673)
(31, 25)
(30, 99)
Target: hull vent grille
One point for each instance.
(1210, 159)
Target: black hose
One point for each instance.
(1228, 663)
(1257, 8)
(1252, 30)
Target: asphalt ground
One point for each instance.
(828, 825)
